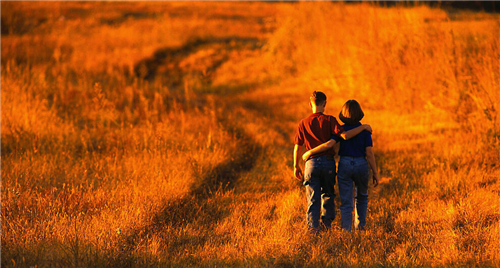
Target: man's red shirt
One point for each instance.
(317, 129)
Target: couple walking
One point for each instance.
(319, 133)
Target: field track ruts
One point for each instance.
(199, 206)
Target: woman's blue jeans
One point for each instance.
(319, 180)
(353, 170)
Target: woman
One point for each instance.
(356, 155)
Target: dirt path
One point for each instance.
(200, 207)
(210, 199)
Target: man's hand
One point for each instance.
(306, 156)
(368, 128)
(297, 172)
(375, 180)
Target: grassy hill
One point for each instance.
(158, 134)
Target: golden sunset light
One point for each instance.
(162, 134)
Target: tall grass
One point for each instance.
(193, 166)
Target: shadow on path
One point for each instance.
(200, 207)
(200, 57)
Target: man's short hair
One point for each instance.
(318, 97)
(351, 113)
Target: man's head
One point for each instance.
(351, 113)
(318, 100)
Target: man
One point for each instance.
(319, 173)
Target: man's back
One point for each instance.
(319, 172)
(317, 129)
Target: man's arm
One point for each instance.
(297, 172)
(319, 149)
(355, 131)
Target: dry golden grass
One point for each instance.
(191, 166)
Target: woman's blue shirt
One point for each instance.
(355, 146)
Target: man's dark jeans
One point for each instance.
(319, 180)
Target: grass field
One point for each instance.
(160, 134)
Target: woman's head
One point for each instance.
(351, 113)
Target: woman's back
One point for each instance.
(356, 146)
